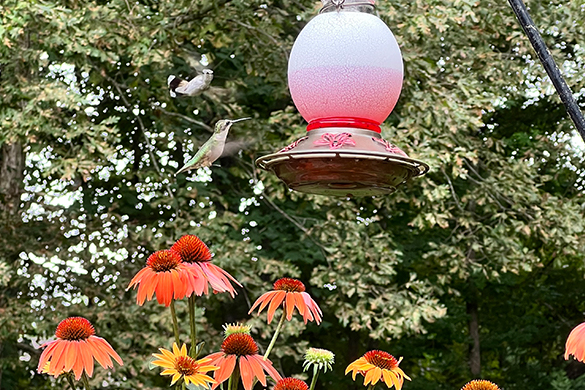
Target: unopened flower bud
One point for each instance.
(318, 358)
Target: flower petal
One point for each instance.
(107, 348)
(87, 358)
(267, 364)
(246, 372)
(257, 369)
(164, 289)
(71, 355)
(226, 365)
(79, 366)
(137, 278)
(289, 305)
(300, 303)
(58, 359)
(46, 355)
(275, 303)
(102, 357)
(264, 300)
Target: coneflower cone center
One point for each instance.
(480, 384)
(186, 365)
(289, 284)
(163, 261)
(230, 329)
(291, 384)
(239, 344)
(74, 328)
(381, 359)
(192, 249)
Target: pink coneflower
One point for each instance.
(290, 384)
(290, 293)
(241, 347)
(195, 253)
(74, 350)
(576, 343)
(166, 275)
(480, 384)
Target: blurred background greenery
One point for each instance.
(474, 270)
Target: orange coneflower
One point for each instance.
(480, 384)
(178, 364)
(576, 343)
(195, 253)
(291, 293)
(290, 384)
(75, 348)
(378, 365)
(164, 275)
(242, 347)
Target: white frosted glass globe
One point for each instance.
(345, 65)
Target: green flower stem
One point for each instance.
(371, 387)
(314, 381)
(175, 323)
(70, 381)
(192, 352)
(85, 380)
(234, 378)
(276, 333)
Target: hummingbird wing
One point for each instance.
(204, 157)
(234, 147)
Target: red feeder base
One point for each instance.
(344, 162)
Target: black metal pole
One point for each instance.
(549, 65)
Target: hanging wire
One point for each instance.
(549, 65)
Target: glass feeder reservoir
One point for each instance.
(345, 76)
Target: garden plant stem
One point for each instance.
(192, 352)
(85, 380)
(70, 381)
(234, 378)
(175, 324)
(371, 387)
(276, 332)
(314, 381)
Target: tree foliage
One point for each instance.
(495, 228)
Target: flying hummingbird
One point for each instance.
(194, 87)
(213, 148)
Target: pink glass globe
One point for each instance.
(345, 69)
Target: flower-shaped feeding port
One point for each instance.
(345, 76)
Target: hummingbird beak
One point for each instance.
(241, 119)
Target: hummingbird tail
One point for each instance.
(185, 168)
(190, 166)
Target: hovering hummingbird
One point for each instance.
(213, 148)
(194, 87)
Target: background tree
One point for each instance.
(474, 270)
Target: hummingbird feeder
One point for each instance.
(345, 75)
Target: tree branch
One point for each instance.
(452, 191)
(188, 119)
(272, 39)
